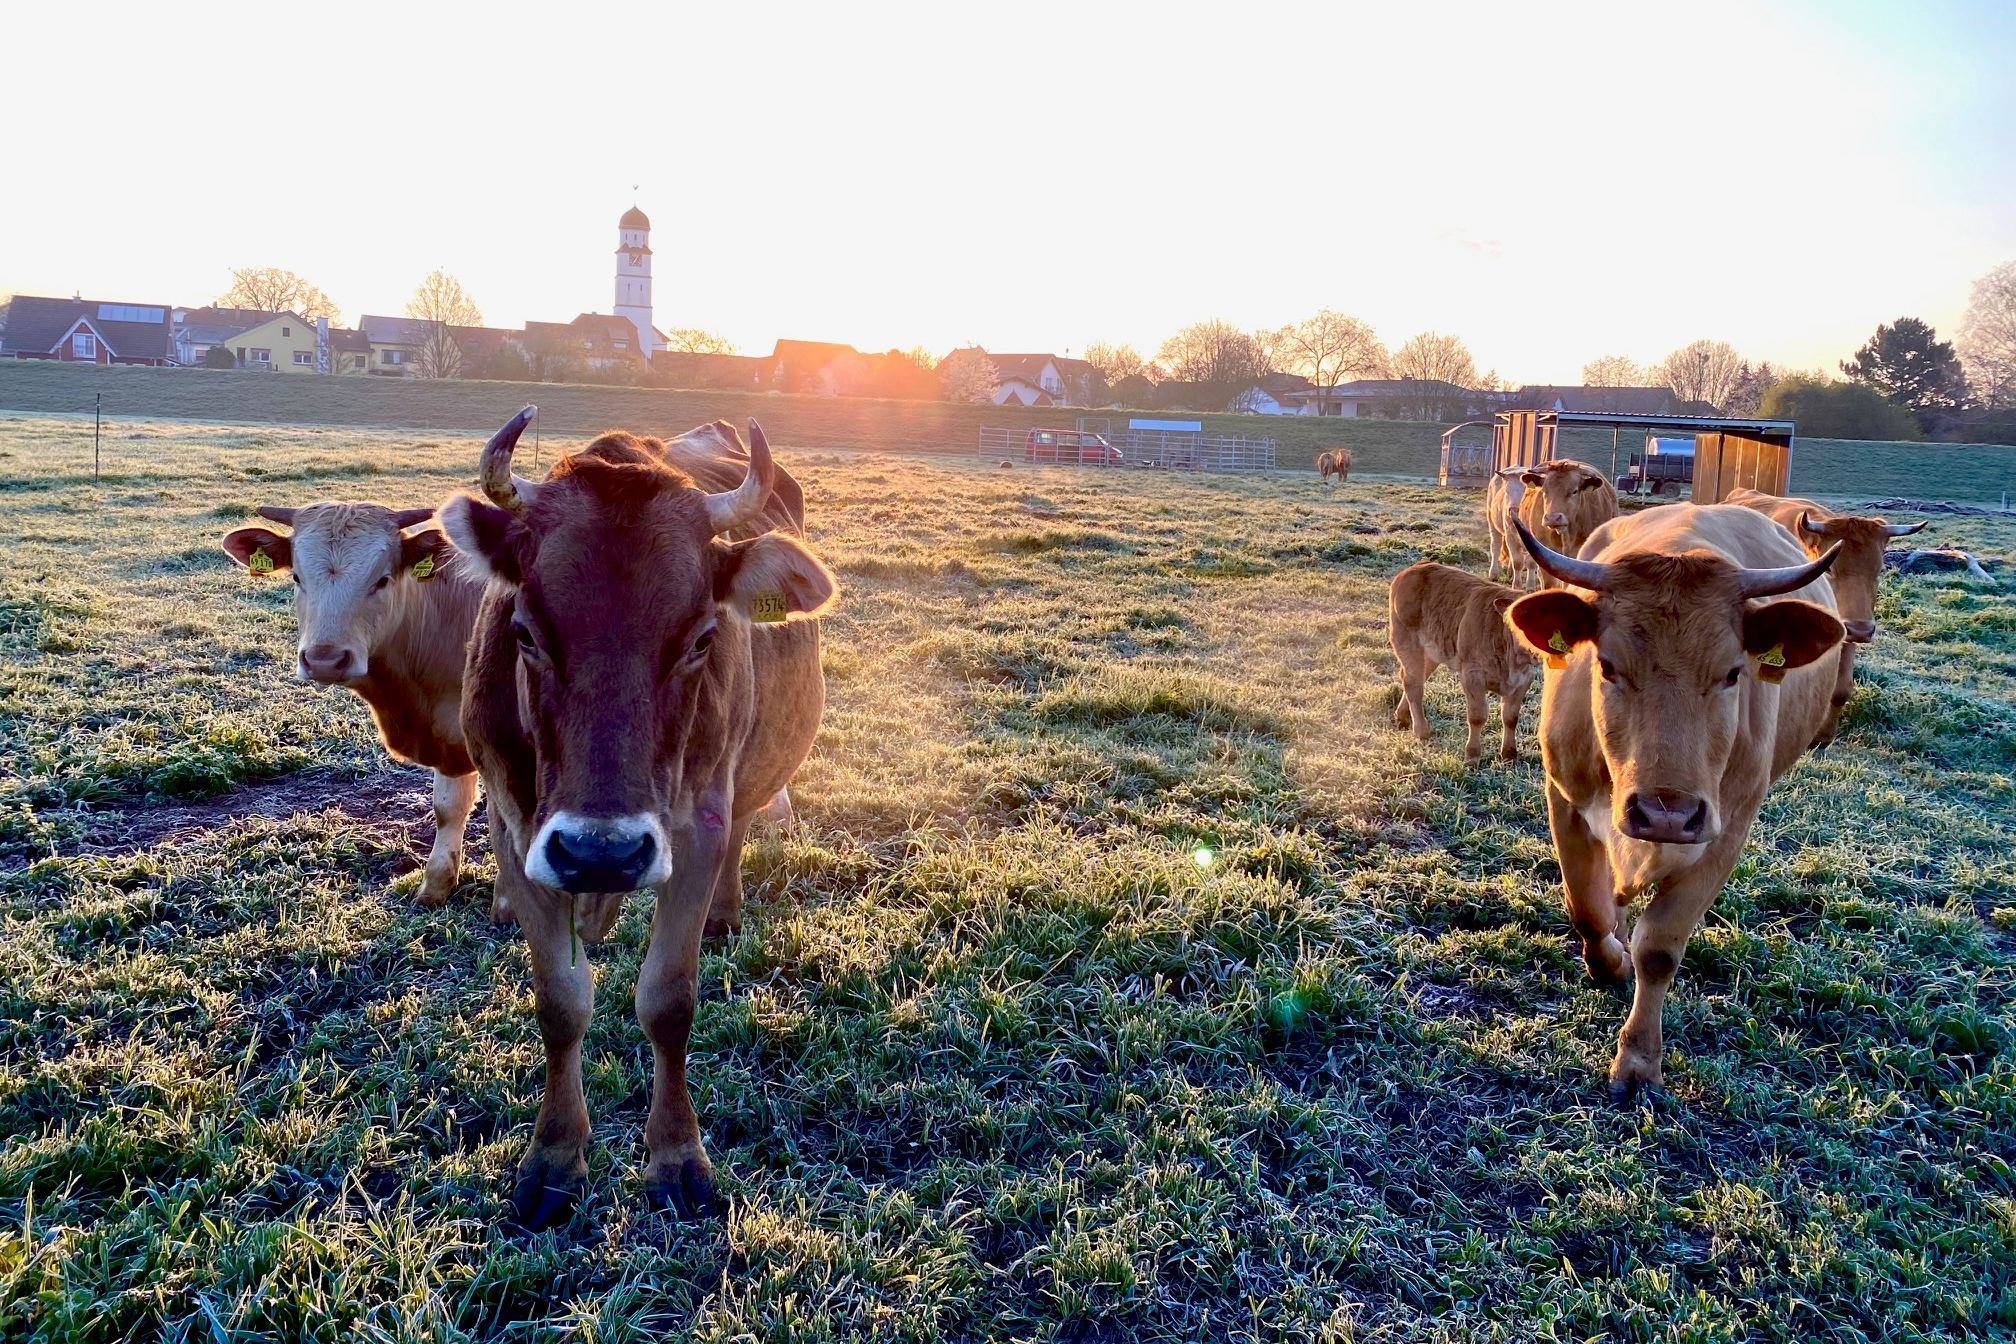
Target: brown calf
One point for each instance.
(387, 614)
(1565, 501)
(1443, 616)
(1681, 693)
(1336, 462)
(637, 691)
(1855, 576)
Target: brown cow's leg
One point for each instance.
(668, 989)
(555, 1168)
(724, 913)
(454, 799)
(1509, 709)
(1477, 701)
(1414, 670)
(1844, 687)
(1657, 944)
(1591, 893)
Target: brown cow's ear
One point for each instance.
(258, 550)
(482, 536)
(772, 578)
(1791, 633)
(1532, 478)
(1553, 622)
(1590, 484)
(425, 552)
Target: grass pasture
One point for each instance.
(994, 1057)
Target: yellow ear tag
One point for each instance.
(1771, 664)
(1559, 658)
(423, 568)
(768, 608)
(260, 564)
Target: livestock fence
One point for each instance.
(1163, 449)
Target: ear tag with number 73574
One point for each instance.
(260, 564)
(768, 608)
(1771, 664)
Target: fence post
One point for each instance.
(97, 425)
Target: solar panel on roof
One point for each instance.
(126, 312)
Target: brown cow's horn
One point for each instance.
(507, 491)
(273, 513)
(1771, 582)
(405, 518)
(732, 508)
(1904, 529)
(1582, 573)
(1819, 527)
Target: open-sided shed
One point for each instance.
(1728, 452)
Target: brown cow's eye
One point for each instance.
(703, 641)
(1735, 675)
(379, 586)
(523, 634)
(1607, 668)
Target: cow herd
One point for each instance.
(626, 654)
(1694, 654)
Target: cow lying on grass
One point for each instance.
(1564, 502)
(638, 688)
(1336, 462)
(1855, 576)
(1680, 695)
(386, 613)
(1443, 616)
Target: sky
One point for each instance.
(1549, 181)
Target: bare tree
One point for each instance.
(1988, 337)
(439, 356)
(1329, 349)
(268, 289)
(441, 299)
(1217, 357)
(1115, 362)
(1703, 371)
(1444, 372)
(692, 341)
(968, 376)
(1614, 371)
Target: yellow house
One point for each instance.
(284, 342)
(395, 343)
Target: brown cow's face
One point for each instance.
(352, 567)
(1673, 650)
(621, 595)
(1859, 570)
(1559, 483)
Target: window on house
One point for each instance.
(84, 346)
(258, 356)
(286, 331)
(392, 357)
(304, 358)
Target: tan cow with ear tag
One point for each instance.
(386, 613)
(1689, 669)
(642, 682)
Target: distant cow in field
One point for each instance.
(638, 689)
(1509, 560)
(1855, 575)
(386, 613)
(1565, 501)
(1440, 616)
(1336, 462)
(1682, 692)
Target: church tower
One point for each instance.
(633, 277)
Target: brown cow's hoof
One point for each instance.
(721, 928)
(500, 911)
(688, 1190)
(434, 894)
(1628, 1092)
(539, 1204)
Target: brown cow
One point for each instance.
(1336, 462)
(1439, 615)
(387, 614)
(1680, 697)
(1565, 501)
(1509, 560)
(637, 690)
(1855, 575)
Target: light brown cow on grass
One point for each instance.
(1443, 616)
(1855, 576)
(385, 613)
(1681, 695)
(1565, 501)
(1509, 560)
(1336, 462)
(637, 690)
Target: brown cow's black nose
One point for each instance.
(1667, 819)
(1859, 632)
(599, 860)
(325, 662)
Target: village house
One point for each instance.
(87, 331)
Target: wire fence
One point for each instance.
(1161, 449)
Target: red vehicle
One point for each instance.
(1070, 447)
